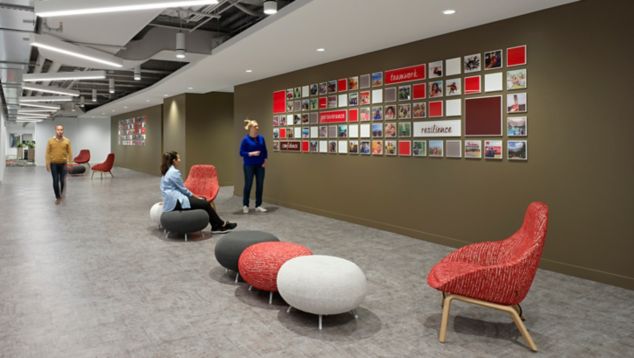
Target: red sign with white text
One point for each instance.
(333, 116)
(405, 74)
(279, 101)
(291, 146)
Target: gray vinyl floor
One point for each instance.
(93, 277)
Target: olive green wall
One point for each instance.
(209, 129)
(175, 128)
(146, 158)
(579, 147)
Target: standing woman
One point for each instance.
(253, 151)
(177, 197)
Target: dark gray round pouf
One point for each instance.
(76, 169)
(230, 247)
(184, 221)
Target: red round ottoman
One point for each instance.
(259, 264)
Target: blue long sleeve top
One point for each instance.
(249, 144)
(173, 190)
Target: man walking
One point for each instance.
(58, 154)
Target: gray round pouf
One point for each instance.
(185, 221)
(229, 248)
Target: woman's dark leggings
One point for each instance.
(195, 203)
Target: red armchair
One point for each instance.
(105, 167)
(83, 157)
(202, 180)
(494, 274)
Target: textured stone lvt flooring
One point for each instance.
(93, 277)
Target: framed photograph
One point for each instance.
(404, 93)
(313, 118)
(516, 79)
(314, 89)
(377, 79)
(517, 149)
(453, 148)
(516, 56)
(314, 146)
(453, 66)
(305, 91)
(377, 113)
(404, 111)
(390, 130)
(305, 119)
(342, 131)
(419, 91)
(364, 98)
(353, 131)
(323, 88)
(377, 130)
(323, 146)
(297, 105)
(353, 146)
(342, 147)
(364, 81)
(419, 148)
(365, 147)
(473, 149)
(297, 120)
(493, 60)
(276, 133)
(332, 86)
(353, 83)
(390, 147)
(297, 132)
(472, 63)
(305, 104)
(435, 69)
(389, 94)
(472, 84)
(493, 82)
(516, 126)
(389, 112)
(276, 122)
(313, 104)
(353, 99)
(276, 145)
(419, 110)
(377, 147)
(332, 131)
(377, 96)
(516, 102)
(404, 129)
(323, 131)
(332, 146)
(297, 92)
(364, 130)
(343, 100)
(290, 94)
(404, 148)
(305, 132)
(453, 107)
(289, 106)
(332, 101)
(342, 85)
(483, 116)
(453, 87)
(493, 149)
(314, 132)
(435, 89)
(286, 120)
(436, 148)
(364, 114)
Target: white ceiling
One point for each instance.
(287, 41)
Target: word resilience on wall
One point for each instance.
(453, 108)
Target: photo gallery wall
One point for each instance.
(460, 107)
(132, 131)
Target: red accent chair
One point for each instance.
(105, 167)
(83, 157)
(495, 274)
(202, 180)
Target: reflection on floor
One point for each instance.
(93, 277)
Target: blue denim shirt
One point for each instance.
(173, 189)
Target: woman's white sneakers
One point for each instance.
(245, 209)
(259, 209)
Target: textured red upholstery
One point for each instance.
(203, 181)
(106, 166)
(499, 271)
(260, 263)
(82, 157)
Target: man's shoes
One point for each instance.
(245, 209)
(260, 209)
(228, 226)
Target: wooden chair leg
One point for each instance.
(446, 306)
(522, 328)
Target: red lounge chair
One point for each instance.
(495, 274)
(202, 180)
(83, 157)
(104, 167)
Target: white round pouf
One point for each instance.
(322, 285)
(155, 213)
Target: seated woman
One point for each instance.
(177, 197)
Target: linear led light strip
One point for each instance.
(133, 7)
(46, 99)
(64, 76)
(34, 111)
(52, 90)
(39, 106)
(75, 54)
